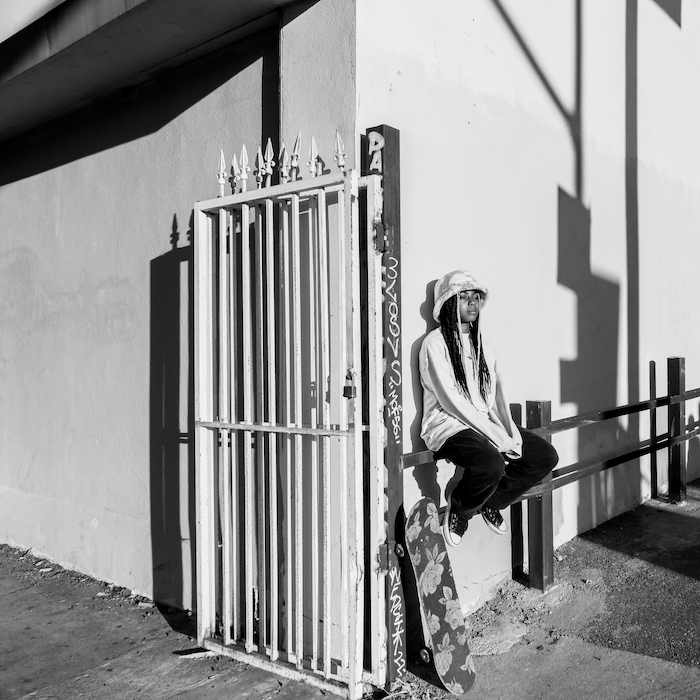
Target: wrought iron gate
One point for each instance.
(290, 471)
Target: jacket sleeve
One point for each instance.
(500, 413)
(437, 372)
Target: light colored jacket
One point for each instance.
(447, 410)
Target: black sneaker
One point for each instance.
(494, 520)
(453, 526)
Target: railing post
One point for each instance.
(677, 467)
(516, 517)
(652, 433)
(540, 531)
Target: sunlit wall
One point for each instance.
(548, 147)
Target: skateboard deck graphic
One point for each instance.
(437, 596)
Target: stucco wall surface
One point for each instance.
(17, 14)
(96, 464)
(317, 64)
(549, 153)
(95, 214)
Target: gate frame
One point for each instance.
(381, 155)
(206, 437)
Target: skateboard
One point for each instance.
(443, 621)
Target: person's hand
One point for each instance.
(510, 448)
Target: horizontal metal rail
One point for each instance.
(563, 424)
(575, 472)
(287, 430)
(297, 187)
(334, 182)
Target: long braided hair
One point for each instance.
(451, 327)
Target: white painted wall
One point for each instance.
(317, 63)
(15, 15)
(488, 167)
(87, 214)
(94, 332)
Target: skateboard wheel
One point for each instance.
(424, 655)
(400, 551)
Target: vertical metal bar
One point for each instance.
(315, 383)
(677, 467)
(272, 418)
(286, 383)
(345, 354)
(204, 441)
(234, 385)
(540, 527)
(324, 387)
(249, 476)
(375, 466)
(355, 491)
(260, 438)
(224, 415)
(653, 476)
(298, 480)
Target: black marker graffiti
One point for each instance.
(393, 340)
(397, 634)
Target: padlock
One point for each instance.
(349, 390)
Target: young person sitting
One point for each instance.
(466, 418)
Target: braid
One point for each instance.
(451, 327)
(452, 333)
(484, 374)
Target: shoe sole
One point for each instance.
(492, 527)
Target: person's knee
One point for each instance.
(552, 457)
(548, 458)
(493, 467)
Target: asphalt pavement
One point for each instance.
(621, 623)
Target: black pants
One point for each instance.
(490, 479)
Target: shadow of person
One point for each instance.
(426, 476)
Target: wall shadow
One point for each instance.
(426, 312)
(426, 477)
(591, 380)
(172, 495)
(112, 122)
(142, 110)
(171, 442)
(672, 8)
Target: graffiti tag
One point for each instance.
(397, 635)
(393, 341)
(376, 144)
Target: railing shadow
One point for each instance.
(665, 537)
(649, 559)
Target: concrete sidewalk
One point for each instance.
(620, 623)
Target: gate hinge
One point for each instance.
(383, 556)
(381, 236)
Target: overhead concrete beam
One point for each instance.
(84, 50)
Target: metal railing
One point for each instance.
(540, 547)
